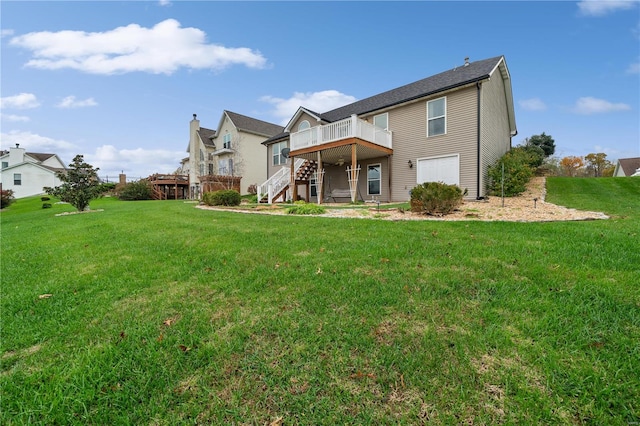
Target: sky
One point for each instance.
(119, 81)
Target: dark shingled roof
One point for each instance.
(253, 125)
(39, 156)
(206, 135)
(629, 165)
(459, 76)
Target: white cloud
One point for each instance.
(316, 101)
(72, 102)
(604, 7)
(589, 105)
(14, 118)
(35, 143)
(634, 68)
(162, 49)
(21, 101)
(533, 104)
(135, 163)
(6, 33)
(164, 3)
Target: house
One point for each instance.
(27, 173)
(448, 127)
(627, 167)
(231, 153)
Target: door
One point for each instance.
(440, 169)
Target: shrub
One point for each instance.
(79, 184)
(45, 198)
(226, 197)
(301, 207)
(252, 189)
(518, 170)
(107, 187)
(46, 205)
(6, 198)
(138, 190)
(435, 198)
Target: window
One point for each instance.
(201, 155)
(374, 179)
(227, 141)
(278, 158)
(210, 168)
(5, 164)
(303, 125)
(382, 121)
(314, 188)
(436, 117)
(225, 167)
(17, 179)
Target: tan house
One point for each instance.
(627, 167)
(232, 150)
(448, 127)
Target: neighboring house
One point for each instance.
(27, 173)
(233, 149)
(449, 127)
(627, 167)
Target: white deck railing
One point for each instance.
(280, 179)
(351, 127)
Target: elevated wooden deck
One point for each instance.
(169, 187)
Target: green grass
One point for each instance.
(161, 313)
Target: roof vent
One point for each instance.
(466, 61)
(17, 145)
(194, 116)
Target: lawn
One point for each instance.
(156, 312)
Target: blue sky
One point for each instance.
(118, 81)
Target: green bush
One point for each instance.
(436, 198)
(106, 187)
(300, 207)
(45, 198)
(46, 205)
(6, 198)
(519, 165)
(138, 190)
(225, 197)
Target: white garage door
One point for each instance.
(439, 169)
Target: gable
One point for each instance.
(629, 165)
(250, 125)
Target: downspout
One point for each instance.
(479, 171)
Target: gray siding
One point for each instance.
(409, 126)
(495, 138)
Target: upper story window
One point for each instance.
(5, 164)
(437, 117)
(278, 158)
(303, 125)
(226, 144)
(381, 120)
(201, 155)
(17, 179)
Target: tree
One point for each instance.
(543, 141)
(571, 165)
(79, 186)
(598, 163)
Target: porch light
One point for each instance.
(410, 164)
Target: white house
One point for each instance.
(27, 173)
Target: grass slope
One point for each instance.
(161, 313)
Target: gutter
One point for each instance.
(479, 172)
